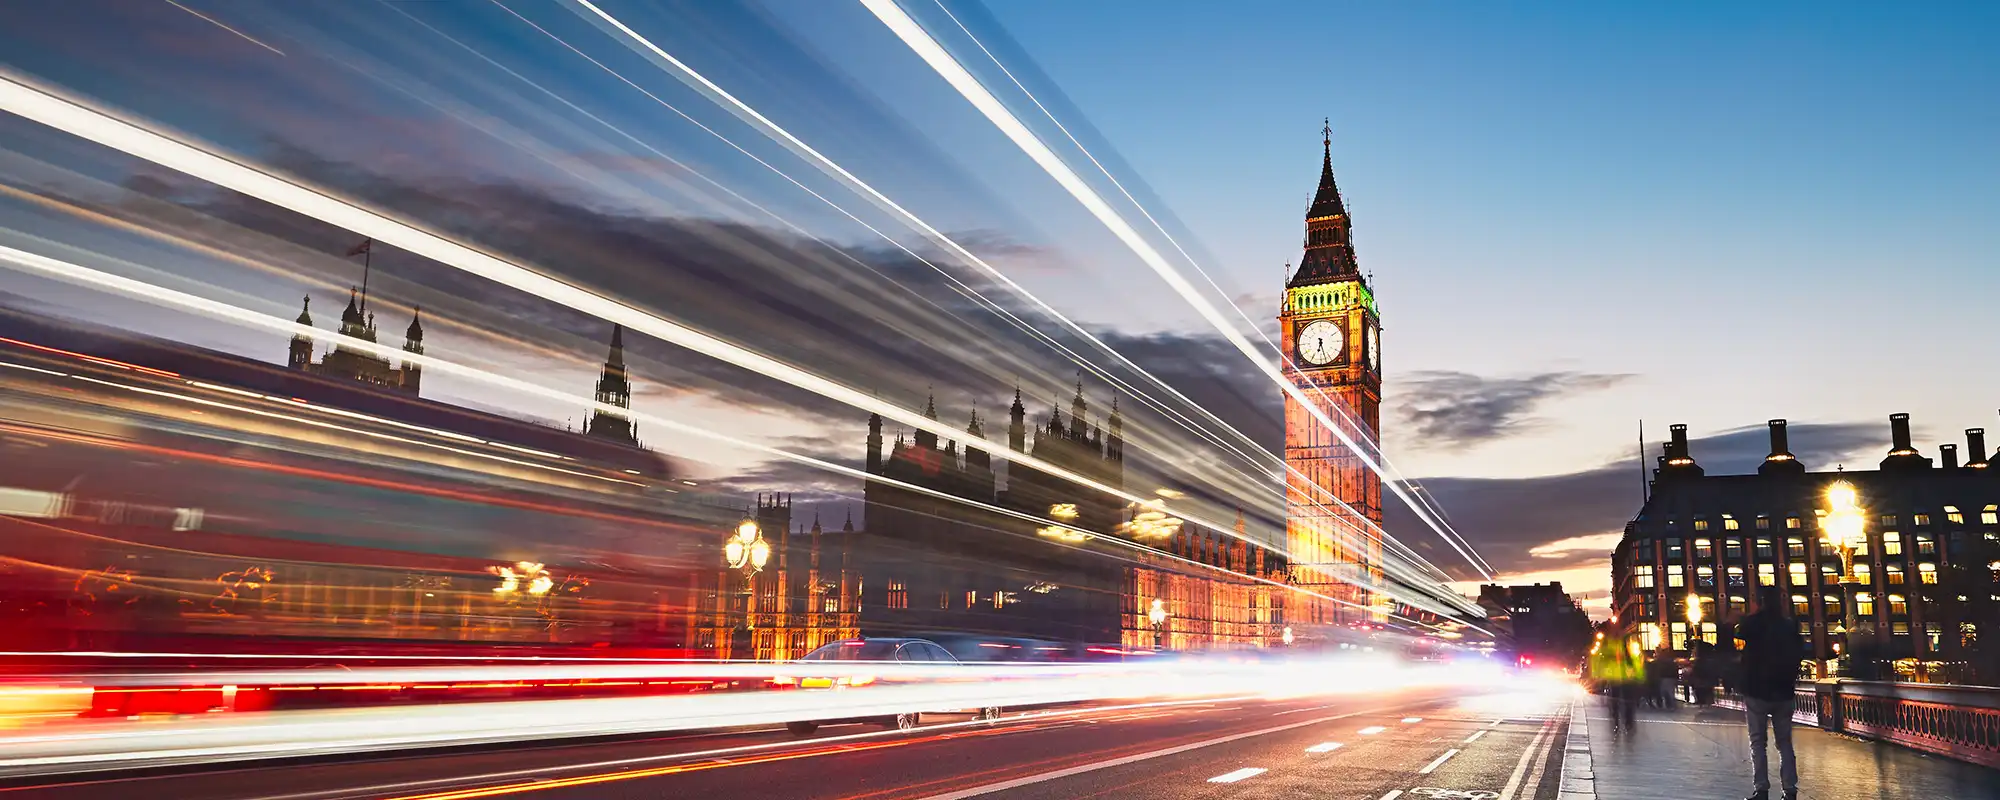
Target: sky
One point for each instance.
(1577, 216)
(1581, 215)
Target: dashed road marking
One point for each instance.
(1236, 775)
(1324, 747)
(1432, 767)
(1372, 730)
(1408, 720)
(1474, 737)
(1393, 794)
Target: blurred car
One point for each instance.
(889, 650)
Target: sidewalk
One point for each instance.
(1703, 753)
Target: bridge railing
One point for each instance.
(1959, 722)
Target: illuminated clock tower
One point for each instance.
(1332, 346)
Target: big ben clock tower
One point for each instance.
(1332, 345)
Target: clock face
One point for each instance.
(1373, 340)
(1321, 342)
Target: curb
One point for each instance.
(1579, 782)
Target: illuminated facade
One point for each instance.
(1221, 608)
(804, 596)
(1332, 343)
(1923, 591)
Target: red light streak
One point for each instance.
(92, 359)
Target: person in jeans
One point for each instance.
(1772, 648)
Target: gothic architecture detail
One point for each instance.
(357, 365)
(614, 389)
(1331, 333)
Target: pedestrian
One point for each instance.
(1770, 657)
(1616, 667)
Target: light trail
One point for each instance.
(955, 74)
(999, 310)
(98, 279)
(98, 126)
(647, 48)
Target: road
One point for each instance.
(1413, 745)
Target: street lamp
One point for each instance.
(1287, 637)
(1845, 528)
(1158, 616)
(745, 552)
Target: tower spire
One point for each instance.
(1329, 243)
(613, 389)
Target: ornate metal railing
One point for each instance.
(1960, 722)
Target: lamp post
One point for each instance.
(1287, 636)
(745, 552)
(1158, 616)
(1845, 528)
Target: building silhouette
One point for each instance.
(614, 389)
(343, 362)
(1930, 530)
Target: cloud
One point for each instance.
(1459, 409)
(1555, 522)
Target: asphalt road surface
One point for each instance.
(1415, 745)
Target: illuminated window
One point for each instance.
(1677, 633)
(1732, 549)
(1898, 605)
(1736, 603)
(1888, 520)
(1798, 572)
(1735, 577)
(1953, 515)
(1801, 606)
(1861, 548)
(1864, 604)
(1704, 577)
(899, 597)
(1795, 547)
(1767, 574)
(1700, 525)
(1729, 523)
(1673, 549)
(1921, 519)
(1764, 551)
(1990, 516)
(1864, 573)
(944, 599)
(1643, 576)
(1927, 573)
(1830, 603)
(1763, 522)
(1805, 631)
(1792, 523)
(971, 599)
(1926, 545)
(1676, 578)
(1893, 573)
(1899, 629)
(1892, 543)
(1708, 632)
(1704, 549)
(999, 600)
(1934, 633)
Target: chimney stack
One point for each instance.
(1780, 443)
(1781, 460)
(1948, 453)
(1975, 447)
(1680, 442)
(1899, 433)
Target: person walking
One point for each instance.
(1772, 649)
(1616, 667)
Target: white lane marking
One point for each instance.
(1393, 794)
(1432, 767)
(1474, 737)
(1233, 776)
(1372, 730)
(1324, 747)
(1298, 710)
(1496, 723)
(1535, 753)
(1408, 720)
(1131, 759)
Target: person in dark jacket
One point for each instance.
(1770, 658)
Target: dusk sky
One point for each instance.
(1577, 216)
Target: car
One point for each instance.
(891, 650)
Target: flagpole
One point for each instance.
(367, 262)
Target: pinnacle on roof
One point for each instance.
(974, 428)
(1327, 201)
(305, 313)
(930, 405)
(352, 315)
(416, 329)
(617, 357)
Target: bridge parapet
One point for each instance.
(1959, 722)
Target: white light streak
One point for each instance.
(968, 86)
